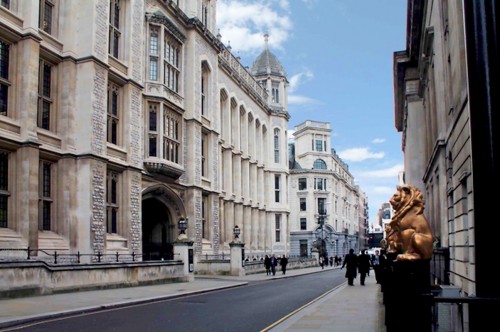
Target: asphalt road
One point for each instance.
(248, 308)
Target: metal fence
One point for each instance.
(54, 257)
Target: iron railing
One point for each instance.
(54, 257)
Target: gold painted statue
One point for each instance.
(408, 232)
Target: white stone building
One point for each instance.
(324, 201)
(118, 118)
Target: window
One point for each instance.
(111, 202)
(321, 206)
(45, 194)
(303, 205)
(5, 3)
(204, 214)
(171, 141)
(44, 94)
(114, 27)
(275, 92)
(171, 55)
(319, 164)
(4, 77)
(303, 224)
(152, 130)
(277, 185)
(319, 145)
(204, 89)
(153, 54)
(204, 154)
(204, 12)
(278, 227)
(46, 11)
(4, 188)
(302, 184)
(170, 129)
(276, 146)
(319, 184)
(113, 115)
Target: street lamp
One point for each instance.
(236, 232)
(182, 224)
(321, 223)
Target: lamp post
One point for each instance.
(182, 224)
(321, 223)
(236, 232)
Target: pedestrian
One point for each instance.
(351, 264)
(283, 262)
(331, 261)
(363, 266)
(267, 264)
(322, 262)
(376, 266)
(274, 262)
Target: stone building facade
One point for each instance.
(118, 118)
(325, 209)
(445, 105)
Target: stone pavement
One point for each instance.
(343, 309)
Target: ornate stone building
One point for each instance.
(118, 118)
(325, 209)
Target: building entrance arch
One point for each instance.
(161, 210)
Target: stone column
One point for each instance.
(247, 226)
(229, 220)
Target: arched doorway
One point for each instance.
(158, 230)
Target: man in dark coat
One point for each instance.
(351, 264)
(283, 263)
(363, 266)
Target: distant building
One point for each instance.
(324, 201)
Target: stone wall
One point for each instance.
(38, 278)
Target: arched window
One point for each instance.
(319, 164)
(276, 145)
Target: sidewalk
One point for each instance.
(344, 309)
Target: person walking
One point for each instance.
(363, 266)
(267, 264)
(283, 262)
(376, 265)
(351, 265)
(274, 262)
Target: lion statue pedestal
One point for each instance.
(409, 243)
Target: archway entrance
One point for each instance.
(157, 231)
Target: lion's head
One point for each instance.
(406, 197)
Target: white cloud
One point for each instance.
(301, 100)
(299, 78)
(378, 140)
(384, 173)
(359, 154)
(243, 24)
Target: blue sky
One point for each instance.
(338, 58)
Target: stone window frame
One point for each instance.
(277, 188)
(47, 184)
(277, 145)
(114, 111)
(204, 154)
(113, 190)
(46, 94)
(5, 81)
(277, 227)
(114, 30)
(4, 188)
(302, 183)
(48, 16)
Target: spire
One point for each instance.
(266, 41)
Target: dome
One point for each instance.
(267, 63)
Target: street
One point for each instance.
(248, 308)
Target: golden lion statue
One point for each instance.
(408, 231)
